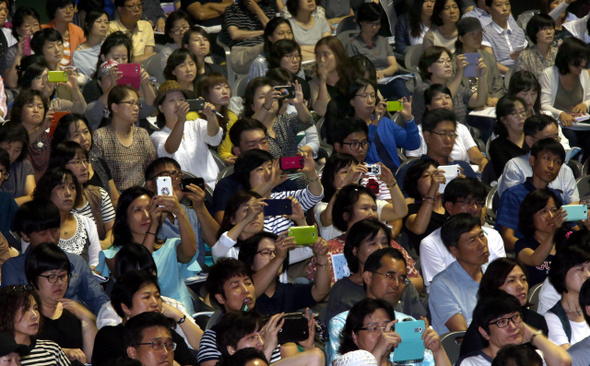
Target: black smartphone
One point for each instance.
(294, 328)
(196, 181)
(287, 91)
(278, 207)
(196, 105)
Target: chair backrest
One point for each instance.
(525, 16)
(413, 56)
(202, 318)
(231, 76)
(533, 296)
(225, 172)
(585, 166)
(491, 205)
(239, 88)
(221, 164)
(153, 67)
(508, 75)
(583, 184)
(576, 167)
(404, 164)
(451, 346)
(346, 36)
(346, 24)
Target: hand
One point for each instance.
(209, 110)
(74, 354)
(169, 204)
(72, 82)
(251, 5)
(231, 160)
(461, 62)
(271, 331)
(308, 163)
(431, 340)
(380, 74)
(276, 178)
(182, 110)
(308, 343)
(482, 68)
(436, 180)
(271, 97)
(515, 55)
(20, 48)
(155, 214)
(558, 219)
(380, 109)
(160, 24)
(406, 112)
(283, 244)
(254, 209)
(171, 312)
(144, 78)
(46, 123)
(298, 214)
(386, 175)
(298, 100)
(566, 119)
(353, 175)
(322, 70)
(492, 102)
(320, 248)
(77, 309)
(196, 195)
(387, 341)
(581, 108)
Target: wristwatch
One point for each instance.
(182, 320)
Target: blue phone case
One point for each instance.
(576, 212)
(411, 348)
(470, 70)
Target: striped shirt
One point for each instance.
(504, 41)
(106, 208)
(45, 353)
(208, 350)
(278, 224)
(237, 15)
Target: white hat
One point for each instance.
(356, 358)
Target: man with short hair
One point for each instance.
(385, 278)
(141, 31)
(439, 130)
(518, 169)
(546, 159)
(38, 221)
(148, 339)
(462, 195)
(453, 291)
(202, 223)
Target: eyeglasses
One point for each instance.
(293, 57)
(134, 6)
(165, 173)
(78, 162)
(442, 62)
(392, 276)
(523, 113)
(472, 202)
(373, 328)
(556, 138)
(20, 288)
(267, 252)
(4, 175)
(354, 146)
(374, 24)
(450, 135)
(503, 322)
(179, 31)
(366, 95)
(132, 103)
(53, 278)
(158, 345)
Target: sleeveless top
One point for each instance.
(566, 100)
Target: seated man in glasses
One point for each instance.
(500, 323)
(148, 339)
(439, 128)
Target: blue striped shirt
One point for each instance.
(504, 41)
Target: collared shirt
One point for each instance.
(83, 286)
(485, 18)
(455, 293)
(532, 60)
(518, 169)
(504, 41)
(435, 257)
(142, 35)
(237, 15)
(337, 324)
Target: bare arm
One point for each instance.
(455, 82)
(29, 188)
(236, 34)
(175, 138)
(553, 354)
(209, 226)
(322, 279)
(147, 53)
(456, 322)
(392, 68)
(202, 12)
(481, 97)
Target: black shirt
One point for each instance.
(502, 150)
(287, 298)
(436, 220)
(66, 331)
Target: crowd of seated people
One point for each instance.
(295, 200)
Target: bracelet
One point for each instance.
(428, 198)
(149, 232)
(268, 109)
(181, 320)
(325, 265)
(393, 185)
(314, 180)
(534, 335)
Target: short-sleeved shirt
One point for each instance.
(142, 36)
(455, 293)
(502, 150)
(377, 53)
(44, 352)
(288, 297)
(504, 41)
(66, 330)
(436, 221)
(532, 60)
(580, 352)
(285, 128)
(309, 37)
(460, 102)
(17, 178)
(535, 274)
(237, 15)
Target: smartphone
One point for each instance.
(576, 212)
(394, 106)
(450, 172)
(57, 76)
(196, 181)
(287, 91)
(470, 71)
(27, 46)
(411, 348)
(57, 115)
(304, 235)
(291, 162)
(164, 186)
(196, 105)
(294, 328)
(130, 75)
(278, 207)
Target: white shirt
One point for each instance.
(193, 153)
(463, 142)
(435, 257)
(557, 334)
(518, 169)
(548, 297)
(330, 232)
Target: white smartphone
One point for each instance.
(164, 186)
(450, 172)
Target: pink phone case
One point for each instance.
(292, 162)
(130, 76)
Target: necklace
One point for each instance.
(125, 135)
(577, 312)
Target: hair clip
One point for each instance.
(106, 113)
(567, 236)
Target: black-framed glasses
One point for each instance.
(392, 276)
(158, 345)
(471, 202)
(373, 328)
(354, 146)
(21, 288)
(54, 278)
(179, 31)
(503, 322)
(166, 173)
(132, 103)
(451, 135)
(267, 252)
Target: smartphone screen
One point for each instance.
(470, 71)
